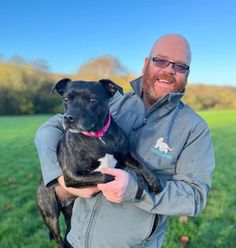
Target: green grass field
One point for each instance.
(21, 225)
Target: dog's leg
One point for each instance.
(67, 212)
(85, 180)
(140, 168)
(50, 210)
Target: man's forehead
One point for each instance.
(173, 48)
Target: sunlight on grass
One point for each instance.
(22, 226)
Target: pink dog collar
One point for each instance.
(101, 132)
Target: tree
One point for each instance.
(16, 59)
(40, 64)
(102, 67)
(105, 67)
(1, 56)
(25, 90)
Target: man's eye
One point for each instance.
(65, 99)
(181, 66)
(160, 61)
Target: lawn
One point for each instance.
(21, 225)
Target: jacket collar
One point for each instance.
(169, 101)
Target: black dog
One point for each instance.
(91, 133)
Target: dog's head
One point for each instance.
(86, 103)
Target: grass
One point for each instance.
(215, 226)
(21, 225)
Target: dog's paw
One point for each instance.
(154, 185)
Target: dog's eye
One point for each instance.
(93, 100)
(65, 99)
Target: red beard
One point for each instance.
(150, 91)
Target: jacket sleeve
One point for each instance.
(186, 192)
(46, 140)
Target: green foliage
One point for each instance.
(21, 225)
(203, 97)
(25, 90)
(25, 87)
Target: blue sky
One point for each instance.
(70, 33)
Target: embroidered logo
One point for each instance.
(162, 148)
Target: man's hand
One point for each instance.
(115, 190)
(64, 192)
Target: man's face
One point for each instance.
(158, 81)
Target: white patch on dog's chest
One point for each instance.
(108, 161)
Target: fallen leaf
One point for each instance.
(11, 180)
(30, 175)
(184, 240)
(8, 207)
(183, 219)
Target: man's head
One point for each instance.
(161, 77)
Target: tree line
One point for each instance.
(25, 86)
(25, 90)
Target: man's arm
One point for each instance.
(46, 140)
(185, 194)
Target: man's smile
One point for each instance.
(163, 81)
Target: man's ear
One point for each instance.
(111, 87)
(146, 61)
(60, 86)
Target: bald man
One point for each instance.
(166, 134)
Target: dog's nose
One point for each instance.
(69, 118)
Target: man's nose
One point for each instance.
(169, 69)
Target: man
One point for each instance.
(171, 138)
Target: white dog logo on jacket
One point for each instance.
(162, 146)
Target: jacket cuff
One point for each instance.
(133, 187)
(50, 178)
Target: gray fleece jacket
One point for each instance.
(173, 141)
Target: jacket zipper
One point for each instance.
(95, 211)
(156, 223)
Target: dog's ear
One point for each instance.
(111, 87)
(60, 86)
